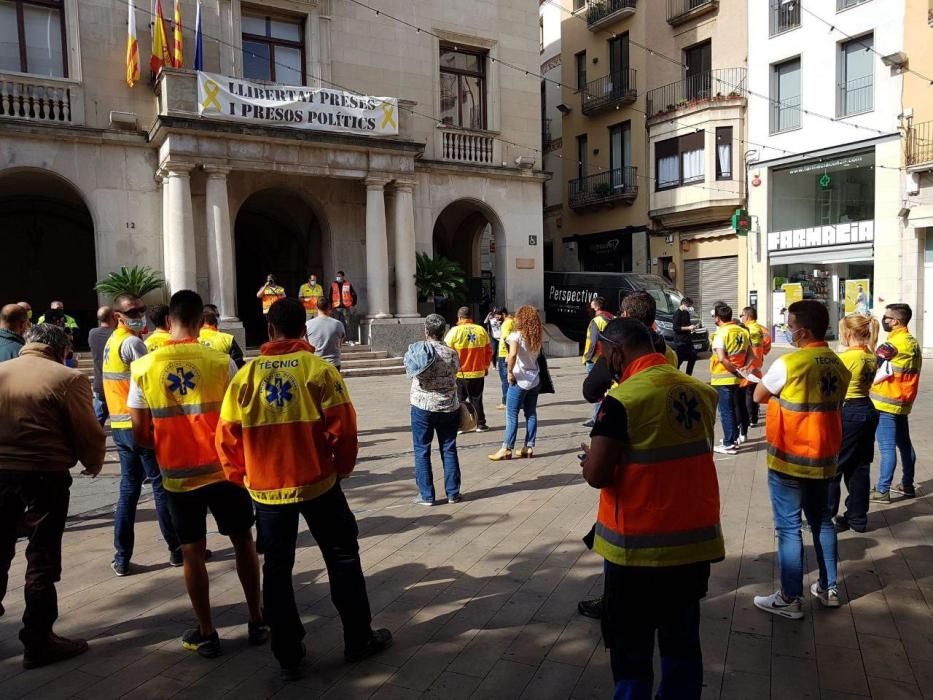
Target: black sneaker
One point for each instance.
(120, 569)
(175, 558)
(841, 523)
(292, 672)
(455, 499)
(482, 428)
(258, 633)
(906, 491)
(53, 650)
(206, 646)
(591, 608)
(379, 640)
(588, 424)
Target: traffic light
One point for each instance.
(741, 222)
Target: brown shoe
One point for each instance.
(501, 454)
(54, 649)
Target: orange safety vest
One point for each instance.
(663, 508)
(116, 376)
(309, 294)
(184, 384)
(287, 426)
(895, 392)
(736, 340)
(759, 346)
(473, 348)
(805, 420)
(271, 295)
(340, 295)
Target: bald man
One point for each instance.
(28, 307)
(97, 340)
(13, 324)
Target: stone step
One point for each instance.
(378, 362)
(374, 371)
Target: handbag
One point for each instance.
(546, 385)
(468, 417)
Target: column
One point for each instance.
(377, 253)
(178, 230)
(167, 272)
(406, 294)
(221, 265)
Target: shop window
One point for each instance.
(723, 152)
(680, 161)
(836, 190)
(463, 87)
(580, 65)
(273, 49)
(32, 37)
(856, 77)
(785, 96)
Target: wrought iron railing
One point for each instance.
(785, 15)
(679, 10)
(857, 96)
(609, 90)
(920, 143)
(598, 10)
(785, 114)
(619, 184)
(719, 84)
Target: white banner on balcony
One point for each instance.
(317, 109)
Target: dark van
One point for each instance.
(567, 297)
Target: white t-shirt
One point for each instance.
(136, 399)
(719, 342)
(526, 372)
(776, 377)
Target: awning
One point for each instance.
(825, 255)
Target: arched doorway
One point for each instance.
(276, 231)
(470, 233)
(48, 245)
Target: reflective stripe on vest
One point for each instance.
(736, 341)
(670, 428)
(340, 295)
(309, 295)
(116, 378)
(897, 392)
(184, 385)
(804, 424)
(471, 343)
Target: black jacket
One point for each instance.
(599, 379)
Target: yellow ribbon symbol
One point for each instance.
(211, 89)
(388, 111)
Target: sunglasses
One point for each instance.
(137, 312)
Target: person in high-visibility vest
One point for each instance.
(658, 529)
(288, 434)
(137, 462)
(893, 394)
(730, 354)
(309, 293)
(343, 299)
(471, 342)
(216, 339)
(804, 392)
(759, 346)
(269, 293)
(174, 400)
(508, 325)
(158, 314)
(591, 347)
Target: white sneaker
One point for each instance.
(777, 605)
(829, 598)
(723, 450)
(741, 440)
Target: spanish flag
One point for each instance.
(179, 53)
(132, 48)
(160, 53)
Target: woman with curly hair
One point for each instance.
(524, 377)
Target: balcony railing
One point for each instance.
(42, 100)
(920, 144)
(785, 15)
(680, 11)
(719, 84)
(785, 115)
(609, 91)
(856, 96)
(605, 189)
(465, 146)
(601, 12)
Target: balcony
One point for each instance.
(785, 114)
(856, 96)
(784, 16)
(680, 11)
(605, 189)
(602, 12)
(703, 89)
(608, 92)
(456, 145)
(48, 101)
(920, 144)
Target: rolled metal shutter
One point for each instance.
(710, 280)
(692, 284)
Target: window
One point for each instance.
(541, 34)
(463, 88)
(785, 15)
(581, 155)
(32, 37)
(274, 49)
(618, 57)
(620, 154)
(578, 5)
(723, 152)
(580, 64)
(699, 62)
(846, 4)
(856, 77)
(785, 96)
(680, 161)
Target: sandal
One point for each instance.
(500, 455)
(527, 452)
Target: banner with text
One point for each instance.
(318, 109)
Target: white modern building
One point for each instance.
(550, 15)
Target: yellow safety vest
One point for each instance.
(601, 323)
(116, 376)
(215, 339)
(736, 341)
(508, 325)
(157, 339)
(309, 294)
(897, 393)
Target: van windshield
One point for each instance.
(667, 300)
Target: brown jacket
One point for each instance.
(47, 420)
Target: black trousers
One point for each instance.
(472, 390)
(334, 529)
(751, 405)
(35, 503)
(859, 420)
(741, 407)
(685, 353)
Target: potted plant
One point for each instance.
(602, 189)
(439, 280)
(137, 280)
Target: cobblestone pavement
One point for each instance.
(481, 596)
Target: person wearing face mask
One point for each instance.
(683, 328)
(652, 446)
(804, 392)
(730, 354)
(893, 394)
(269, 293)
(342, 299)
(309, 293)
(137, 463)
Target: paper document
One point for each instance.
(749, 376)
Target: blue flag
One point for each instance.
(198, 41)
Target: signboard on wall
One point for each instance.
(858, 297)
(793, 292)
(822, 236)
(315, 109)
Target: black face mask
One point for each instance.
(886, 325)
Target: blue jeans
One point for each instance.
(598, 404)
(730, 427)
(423, 426)
(137, 464)
(100, 409)
(893, 435)
(504, 378)
(790, 495)
(527, 401)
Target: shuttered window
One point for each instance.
(710, 280)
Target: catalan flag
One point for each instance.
(132, 48)
(178, 58)
(160, 53)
